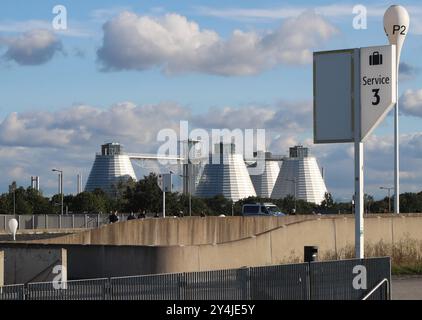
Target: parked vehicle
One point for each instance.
(261, 209)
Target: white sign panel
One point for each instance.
(165, 182)
(160, 181)
(333, 95)
(377, 85)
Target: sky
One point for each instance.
(124, 70)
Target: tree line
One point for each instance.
(144, 196)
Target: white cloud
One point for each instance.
(411, 102)
(37, 141)
(176, 45)
(334, 12)
(31, 48)
(74, 28)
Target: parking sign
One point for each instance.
(378, 85)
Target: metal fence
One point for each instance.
(283, 282)
(15, 292)
(54, 221)
(332, 280)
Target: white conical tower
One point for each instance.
(264, 182)
(110, 167)
(225, 174)
(300, 176)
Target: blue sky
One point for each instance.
(46, 94)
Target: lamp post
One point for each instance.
(190, 194)
(12, 189)
(396, 27)
(60, 186)
(294, 184)
(389, 197)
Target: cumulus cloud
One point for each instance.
(31, 48)
(84, 124)
(174, 44)
(411, 102)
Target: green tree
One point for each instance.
(145, 195)
(219, 205)
(328, 202)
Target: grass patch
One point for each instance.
(406, 255)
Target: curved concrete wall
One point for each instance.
(285, 244)
(177, 231)
(275, 246)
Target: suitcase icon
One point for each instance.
(375, 59)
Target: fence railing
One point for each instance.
(54, 221)
(332, 280)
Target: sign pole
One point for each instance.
(396, 27)
(363, 94)
(359, 201)
(396, 150)
(164, 203)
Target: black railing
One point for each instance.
(331, 280)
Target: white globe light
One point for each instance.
(396, 26)
(13, 227)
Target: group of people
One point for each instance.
(114, 217)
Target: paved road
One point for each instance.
(407, 288)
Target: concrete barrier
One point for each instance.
(26, 263)
(223, 244)
(178, 231)
(282, 244)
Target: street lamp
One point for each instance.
(60, 186)
(294, 184)
(389, 198)
(396, 27)
(190, 194)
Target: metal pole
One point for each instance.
(190, 204)
(295, 195)
(359, 202)
(396, 149)
(61, 187)
(190, 198)
(14, 202)
(359, 224)
(164, 204)
(389, 201)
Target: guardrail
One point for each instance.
(387, 289)
(330, 280)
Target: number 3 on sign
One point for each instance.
(376, 96)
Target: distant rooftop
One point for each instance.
(111, 149)
(299, 152)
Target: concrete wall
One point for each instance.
(26, 263)
(285, 244)
(178, 231)
(280, 245)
